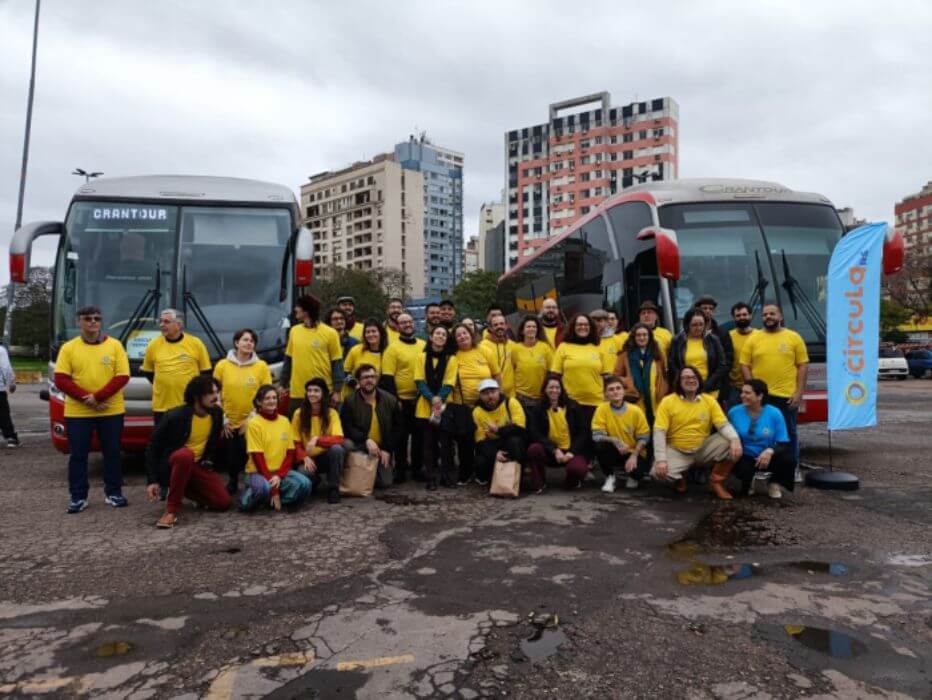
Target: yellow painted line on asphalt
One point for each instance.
(37, 687)
(223, 685)
(377, 662)
(297, 659)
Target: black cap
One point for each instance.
(648, 306)
(706, 299)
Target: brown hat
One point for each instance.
(648, 306)
(598, 314)
(706, 299)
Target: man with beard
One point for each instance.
(371, 418)
(448, 313)
(707, 305)
(497, 341)
(550, 320)
(500, 430)
(649, 315)
(347, 305)
(778, 356)
(432, 318)
(395, 308)
(399, 362)
(741, 315)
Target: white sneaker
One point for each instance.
(631, 483)
(773, 490)
(609, 485)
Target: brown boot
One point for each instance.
(720, 473)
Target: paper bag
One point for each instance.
(506, 479)
(358, 477)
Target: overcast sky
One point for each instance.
(831, 97)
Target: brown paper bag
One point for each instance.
(506, 479)
(358, 477)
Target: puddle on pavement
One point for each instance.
(543, 644)
(838, 645)
(703, 574)
(820, 567)
(113, 649)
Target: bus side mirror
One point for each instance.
(668, 250)
(21, 246)
(894, 252)
(303, 258)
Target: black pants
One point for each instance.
(232, 455)
(613, 463)
(579, 421)
(486, 450)
(438, 452)
(409, 431)
(6, 423)
(782, 469)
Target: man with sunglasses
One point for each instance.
(92, 370)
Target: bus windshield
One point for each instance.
(756, 251)
(228, 259)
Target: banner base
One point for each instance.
(832, 481)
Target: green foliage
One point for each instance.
(892, 315)
(475, 292)
(371, 289)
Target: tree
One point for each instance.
(31, 311)
(911, 287)
(475, 292)
(892, 316)
(371, 289)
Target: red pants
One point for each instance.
(190, 480)
(539, 458)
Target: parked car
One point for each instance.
(892, 364)
(920, 362)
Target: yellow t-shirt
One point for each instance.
(238, 387)
(92, 366)
(610, 347)
(582, 367)
(375, 430)
(774, 358)
(664, 338)
(422, 410)
(392, 334)
(550, 333)
(174, 364)
(558, 429)
(357, 357)
(473, 366)
(688, 423)
(334, 429)
(482, 418)
(738, 340)
(696, 356)
(200, 433)
(273, 438)
(400, 361)
(628, 425)
(356, 331)
(503, 356)
(311, 351)
(530, 367)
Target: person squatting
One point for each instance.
(444, 407)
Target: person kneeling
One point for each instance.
(683, 435)
(270, 478)
(621, 434)
(318, 435)
(549, 434)
(372, 418)
(500, 430)
(182, 449)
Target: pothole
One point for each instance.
(542, 644)
(836, 644)
(730, 528)
(400, 499)
(113, 649)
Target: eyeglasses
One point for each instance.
(92, 319)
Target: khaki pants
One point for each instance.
(715, 449)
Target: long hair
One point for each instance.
(541, 337)
(569, 333)
(310, 305)
(198, 387)
(689, 316)
(759, 387)
(678, 387)
(631, 343)
(561, 402)
(383, 336)
(304, 423)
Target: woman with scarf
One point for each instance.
(318, 437)
(643, 370)
(435, 377)
(240, 374)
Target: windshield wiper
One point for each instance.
(757, 296)
(794, 290)
(150, 300)
(187, 297)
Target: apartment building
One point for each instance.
(914, 221)
(588, 150)
(368, 216)
(471, 255)
(491, 214)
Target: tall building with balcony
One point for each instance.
(914, 221)
(368, 216)
(588, 150)
(442, 171)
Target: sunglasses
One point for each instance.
(97, 319)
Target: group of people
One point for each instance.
(444, 406)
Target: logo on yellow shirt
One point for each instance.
(315, 343)
(184, 356)
(594, 356)
(250, 381)
(283, 437)
(106, 361)
(702, 415)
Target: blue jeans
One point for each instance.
(80, 431)
(294, 489)
(789, 415)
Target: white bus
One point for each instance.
(229, 253)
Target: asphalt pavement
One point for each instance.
(456, 594)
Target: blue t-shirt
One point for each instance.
(769, 429)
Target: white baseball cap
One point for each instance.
(487, 384)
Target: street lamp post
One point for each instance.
(86, 175)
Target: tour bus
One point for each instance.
(230, 253)
(672, 241)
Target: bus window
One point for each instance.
(639, 279)
(585, 256)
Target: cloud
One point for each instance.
(803, 93)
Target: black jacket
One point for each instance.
(718, 369)
(171, 435)
(538, 426)
(356, 416)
